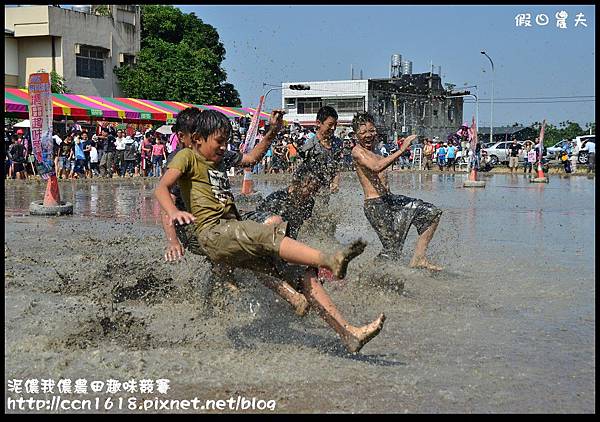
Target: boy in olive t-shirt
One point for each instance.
(200, 169)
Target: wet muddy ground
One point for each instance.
(508, 326)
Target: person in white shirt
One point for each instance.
(94, 160)
(120, 147)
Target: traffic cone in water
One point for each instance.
(247, 183)
(540, 170)
(472, 181)
(541, 177)
(52, 196)
(473, 175)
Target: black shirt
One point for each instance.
(109, 144)
(514, 149)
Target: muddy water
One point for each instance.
(508, 326)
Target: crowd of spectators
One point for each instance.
(84, 153)
(106, 151)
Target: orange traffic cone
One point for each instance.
(52, 196)
(473, 175)
(472, 181)
(541, 177)
(540, 170)
(247, 183)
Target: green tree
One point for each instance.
(180, 60)
(57, 84)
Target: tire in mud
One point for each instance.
(38, 208)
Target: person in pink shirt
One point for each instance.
(146, 155)
(159, 154)
(173, 141)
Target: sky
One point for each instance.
(274, 44)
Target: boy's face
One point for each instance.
(214, 147)
(367, 135)
(326, 129)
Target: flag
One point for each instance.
(253, 129)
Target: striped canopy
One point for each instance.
(84, 107)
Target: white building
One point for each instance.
(82, 47)
(405, 104)
(347, 97)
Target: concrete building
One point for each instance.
(406, 104)
(82, 47)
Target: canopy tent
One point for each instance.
(84, 107)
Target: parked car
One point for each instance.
(499, 151)
(553, 151)
(582, 157)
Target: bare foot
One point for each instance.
(338, 262)
(358, 337)
(301, 306)
(424, 263)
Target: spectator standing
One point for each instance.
(159, 155)
(451, 154)
(64, 154)
(108, 158)
(292, 155)
(441, 157)
(146, 155)
(94, 162)
(87, 146)
(119, 151)
(18, 158)
(428, 154)
(77, 159)
(513, 159)
(128, 157)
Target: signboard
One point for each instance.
(40, 118)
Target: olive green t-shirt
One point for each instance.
(205, 186)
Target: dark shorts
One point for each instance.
(392, 215)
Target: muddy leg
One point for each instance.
(419, 260)
(296, 252)
(291, 296)
(354, 338)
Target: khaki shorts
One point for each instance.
(243, 244)
(513, 162)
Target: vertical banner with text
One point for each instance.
(40, 118)
(253, 129)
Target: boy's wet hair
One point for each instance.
(212, 121)
(325, 112)
(187, 121)
(360, 119)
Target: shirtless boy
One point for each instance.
(391, 215)
(225, 239)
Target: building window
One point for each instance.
(346, 105)
(309, 105)
(128, 60)
(290, 103)
(90, 62)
